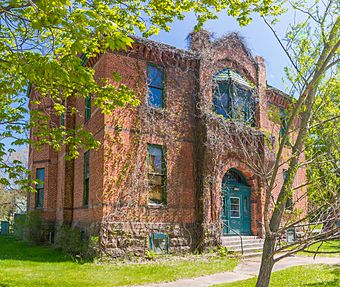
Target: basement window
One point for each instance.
(156, 83)
(159, 243)
(156, 174)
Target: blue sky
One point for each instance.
(259, 39)
(257, 35)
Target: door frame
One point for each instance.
(228, 192)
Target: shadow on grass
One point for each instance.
(334, 282)
(12, 249)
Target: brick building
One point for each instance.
(179, 171)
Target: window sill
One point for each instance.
(288, 211)
(156, 110)
(155, 205)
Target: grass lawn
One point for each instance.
(299, 276)
(330, 246)
(24, 265)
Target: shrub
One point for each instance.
(29, 227)
(34, 225)
(223, 251)
(77, 243)
(150, 255)
(20, 227)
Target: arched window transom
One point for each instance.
(234, 176)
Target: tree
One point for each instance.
(312, 46)
(322, 146)
(12, 197)
(44, 45)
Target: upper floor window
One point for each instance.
(87, 108)
(289, 201)
(283, 121)
(233, 97)
(156, 91)
(39, 196)
(62, 119)
(156, 174)
(86, 178)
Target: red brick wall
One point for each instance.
(129, 131)
(46, 158)
(118, 169)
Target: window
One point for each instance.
(87, 108)
(159, 243)
(234, 207)
(156, 174)
(155, 81)
(39, 196)
(245, 205)
(62, 118)
(289, 201)
(86, 178)
(233, 97)
(283, 119)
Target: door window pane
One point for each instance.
(234, 207)
(245, 205)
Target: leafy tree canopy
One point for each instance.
(323, 146)
(41, 43)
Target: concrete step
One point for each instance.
(234, 240)
(245, 242)
(237, 237)
(248, 245)
(252, 245)
(246, 249)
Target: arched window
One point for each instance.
(234, 176)
(233, 97)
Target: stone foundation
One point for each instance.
(123, 239)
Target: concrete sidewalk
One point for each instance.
(247, 268)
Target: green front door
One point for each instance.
(236, 209)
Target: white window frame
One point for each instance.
(239, 207)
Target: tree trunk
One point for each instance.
(267, 262)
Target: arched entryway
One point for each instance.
(235, 215)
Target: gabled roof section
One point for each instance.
(236, 38)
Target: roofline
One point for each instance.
(285, 95)
(156, 44)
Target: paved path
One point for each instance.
(247, 268)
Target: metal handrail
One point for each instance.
(238, 234)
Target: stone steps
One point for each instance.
(252, 245)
